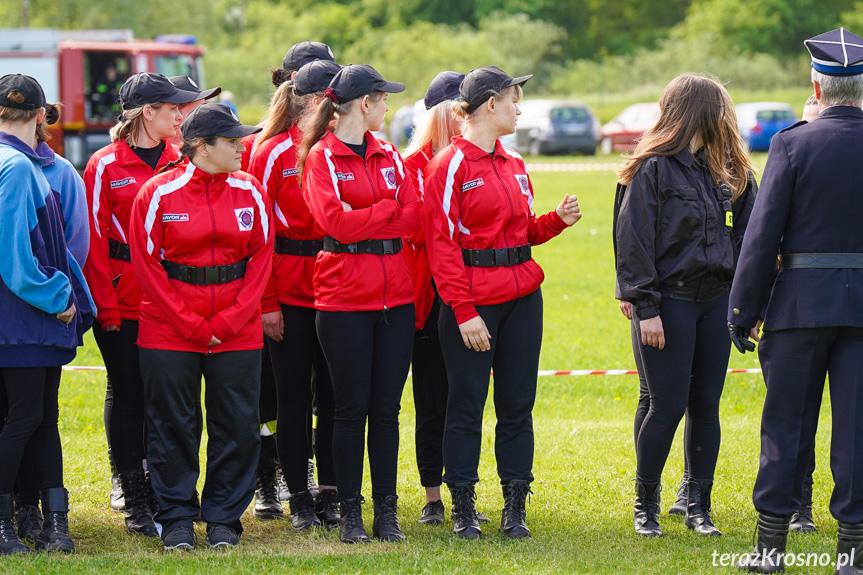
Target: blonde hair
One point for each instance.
(460, 106)
(438, 126)
(130, 122)
(286, 107)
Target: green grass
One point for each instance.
(581, 509)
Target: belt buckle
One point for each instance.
(352, 248)
(388, 247)
(501, 257)
(211, 275)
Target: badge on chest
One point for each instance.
(389, 177)
(245, 218)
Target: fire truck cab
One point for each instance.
(85, 69)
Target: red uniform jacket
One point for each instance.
(113, 177)
(274, 164)
(415, 244)
(477, 200)
(250, 144)
(190, 217)
(384, 206)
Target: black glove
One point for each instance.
(740, 338)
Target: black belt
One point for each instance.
(377, 247)
(822, 261)
(205, 275)
(292, 247)
(496, 257)
(119, 251)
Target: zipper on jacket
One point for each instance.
(506, 227)
(371, 183)
(212, 257)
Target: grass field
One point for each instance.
(581, 509)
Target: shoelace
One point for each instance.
(389, 513)
(268, 488)
(29, 518)
(353, 518)
(59, 522)
(520, 496)
(464, 506)
(327, 500)
(7, 530)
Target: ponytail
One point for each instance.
(188, 150)
(285, 109)
(52, 116)
(324, 114)
(280, 76)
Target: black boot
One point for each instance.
(679, 506)
(386, 523)
(351, 529)
(647, 509)
(118, 500)
(152, 500)
(849, 550)
(698, 508)
(303, 515)
(464, 518)
(801, 521)
(139, 516)
(29, 521)
(327, 508)
(55, 527)
(267, 504)
(9, 541)
(513, 522)
(769, 553)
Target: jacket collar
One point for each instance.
(339, 148)
(13, 142)
(127, 157)
(685, 157)
(841, 111)
(199, 179)
(45, 152)
(473, 152)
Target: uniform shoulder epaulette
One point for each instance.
(792, 126)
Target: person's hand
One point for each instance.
(475, 334)
(740, 338)
(652, 333)
(346, 206)
(626, 309)
(755, 332)
(68, 315)
(111, 328)
(568, 210)
(215, 341)
(274, 325)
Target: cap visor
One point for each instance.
(519, 81)
(240, 131)
(391, 87)
(181, 97)
(208, 94)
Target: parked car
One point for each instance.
(555, 126)
(622, 133)
(760, 121)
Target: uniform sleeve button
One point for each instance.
(735, 311)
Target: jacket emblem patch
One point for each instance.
(389, 177)
(523, 183)
(472, 184)
(345, 176)
(124, 182)
(175, 217)
(290, 172)
(245, 218)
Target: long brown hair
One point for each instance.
(690, 105)
(286, 107)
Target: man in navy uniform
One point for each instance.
(809, 212)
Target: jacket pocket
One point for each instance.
(681, 214)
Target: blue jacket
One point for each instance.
(809, 202)
(40, 278)
(65, 181)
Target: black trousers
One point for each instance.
(369, 355)
(32, 414)
(431, 389)
(172, 386)
(301, 369)
(126, 408)
(516, 338)
(687, 376)
(267, 413)
(795, 364)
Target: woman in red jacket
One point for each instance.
(480, 227)
(358, 192)
(201, 245)
(289, 300)
(114, 175)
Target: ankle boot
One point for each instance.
(327, 508)
(698, 508)
(55, 527)
(351, 529)
(386, 523)
(513, 520)
(118, 501)
(769, 553)
(801, 521)
(464, 516)
(9, 541)
(849, 549)
(139, 516)
(679, 506)
(267, 504)
(303, 515)
(647, 500)
(29, 521)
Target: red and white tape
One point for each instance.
(542, 372)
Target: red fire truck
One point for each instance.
(85, 69)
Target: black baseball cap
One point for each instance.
(315, 77)
(214, 119)
(357, 80)
(148, 88)
(28, 87)
(444, 86)
(187, 84)
(481, 84)
(304, 52)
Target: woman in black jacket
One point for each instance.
(689, 193)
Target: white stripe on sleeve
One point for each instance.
(454, 163)
(97, 188)
(164, 190)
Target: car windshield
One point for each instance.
(775, 115)
(569, 115)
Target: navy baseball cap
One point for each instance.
(187, 84)
(214, 119)
(481, 84)
(148, 88)
(443, 87)
(836, 53)
(302, 53)
(356, 80)
(315, 77)
(27, 87)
